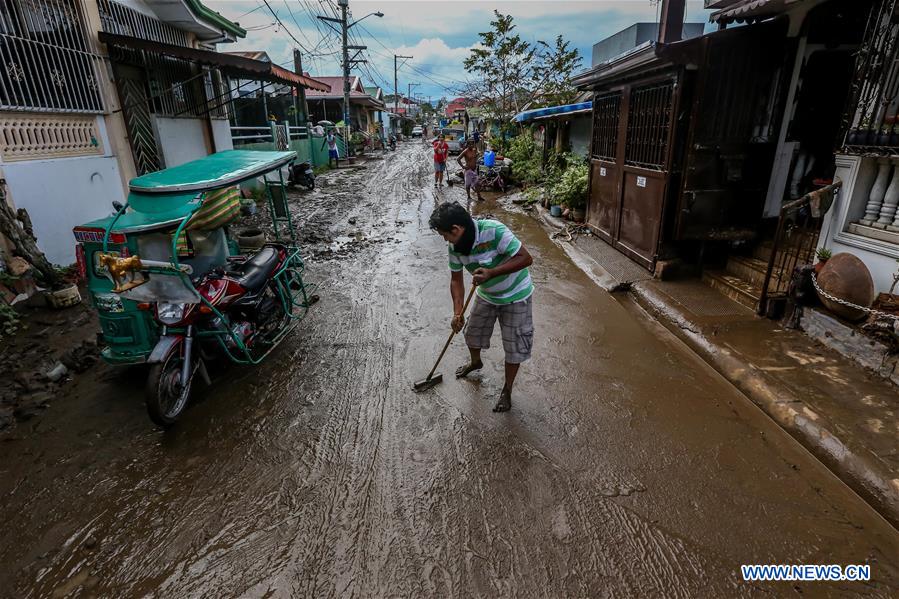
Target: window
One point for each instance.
(46, 59)
(606, 111)
(649, 120)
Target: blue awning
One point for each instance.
(540, 113)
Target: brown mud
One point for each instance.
(626, 467)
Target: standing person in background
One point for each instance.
(468, 160)
(333, 152)
(441, 151)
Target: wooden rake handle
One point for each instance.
(452, 334)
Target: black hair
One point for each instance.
(448, 214)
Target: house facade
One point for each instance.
(864, 220)
(76, 119)
(328, 105)
(96, 92)
(698, 143)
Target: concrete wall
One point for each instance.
(633, 36)
(181, 140)
(62, 193)
(579, 135)
(221, 132)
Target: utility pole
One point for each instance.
(344, 4)
(347, 61)
(409, 94)
(396, 90)
(301, 91)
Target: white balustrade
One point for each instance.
(890, 202)
(878, 190)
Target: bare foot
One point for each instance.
(505, 402)
(462, 371)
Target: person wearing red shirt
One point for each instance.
(441, 151)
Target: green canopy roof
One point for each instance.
(151, 212)
(212, 172)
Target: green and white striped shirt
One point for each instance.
(494, 244)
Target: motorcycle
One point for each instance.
(302, 174)
(393, 142)
(175, 295)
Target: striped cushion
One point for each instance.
(220, 207)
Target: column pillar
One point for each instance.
(890, 202)
(878, 190)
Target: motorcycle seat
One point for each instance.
(254, 273)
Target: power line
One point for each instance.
(283, 26)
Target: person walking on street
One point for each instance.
(441, 151)
(468, 160)
(333, 153)
(498, 262)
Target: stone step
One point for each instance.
(735, 288)
(751, 270)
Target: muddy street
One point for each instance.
(626, 466)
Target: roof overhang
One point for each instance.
(194, 16)
(553, 112)
(640, 57)
(229, 64)
(359, 100)
(752, 10)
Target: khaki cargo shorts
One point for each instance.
(516, 323)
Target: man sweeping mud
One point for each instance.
(499, 264)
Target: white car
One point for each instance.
(417, 131)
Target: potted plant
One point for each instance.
(824, 255)
(889, 302)
(571, 189)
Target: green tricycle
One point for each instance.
(171, 286)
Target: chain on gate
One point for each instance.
(843, 302)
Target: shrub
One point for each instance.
(570, 189)
(525, 157)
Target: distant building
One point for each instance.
(633, 36)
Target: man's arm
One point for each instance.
(457, 291)
(522, 259)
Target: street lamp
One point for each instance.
(376, 14)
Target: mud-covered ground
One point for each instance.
(625, 468)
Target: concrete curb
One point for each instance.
(867, 477)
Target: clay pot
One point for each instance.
(846, 277)
(819, 265)
(250, 239)
(66, 297)
(578, 214)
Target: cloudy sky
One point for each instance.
(436, 33)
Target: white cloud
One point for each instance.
(438, 33)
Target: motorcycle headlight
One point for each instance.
(170, 313)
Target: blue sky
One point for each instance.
(438, 34)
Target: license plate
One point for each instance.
(109, 302)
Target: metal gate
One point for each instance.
(629, 166)
(132, 89)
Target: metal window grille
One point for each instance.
(872, 115)
(649, 119)
(123, 20)
(47, 63)
(606, 115)
(175, 87)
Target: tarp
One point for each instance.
(539, 113)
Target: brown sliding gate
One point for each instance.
(632, 132)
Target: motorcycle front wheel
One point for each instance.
(166, 398)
